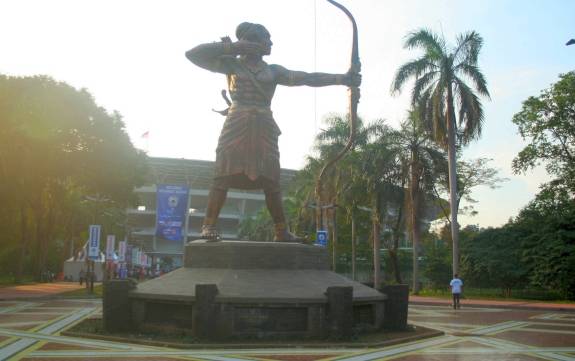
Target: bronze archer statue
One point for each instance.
(247, 156)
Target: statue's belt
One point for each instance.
(243, 107)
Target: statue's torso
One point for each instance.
(243, 90)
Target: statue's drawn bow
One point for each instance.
(355, 67)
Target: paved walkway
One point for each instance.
(31, 331)
(37, 290)
(31, 322)
(524, 305)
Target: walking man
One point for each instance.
(456, 288)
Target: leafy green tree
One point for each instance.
(546, 225)
(57, 149)
(440, 88)
(548, 123)
(492, 258)
(259, 228)
(546, 228)
(436, 266)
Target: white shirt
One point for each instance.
(456, 284)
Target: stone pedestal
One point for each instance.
(396, 306)
(205, 311)
(234, 289)
(340, 311)
(116, 309)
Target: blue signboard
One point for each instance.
(94, 242)
(321, 238)
(171, 212)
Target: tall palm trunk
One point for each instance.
(353, 244)
(394, 249)
(38, 234)
(23, 244)
(414, 200)
(376, 247)
(334, 235)
(451, 159)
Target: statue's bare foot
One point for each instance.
(210, 233)
(282, 234)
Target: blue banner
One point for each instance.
(171, 211)
(321, 238)
(94, 242)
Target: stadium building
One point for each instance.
(197, 175)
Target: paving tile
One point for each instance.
(552, 326)
(52, 346)
(70, 303)
(24, 317)
(538, 338)
(463, 345)
(22, 327)
(298, 357)
(468, 357)
(526, 328)
(103, 358)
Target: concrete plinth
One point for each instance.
(116, 309)
(257, 289)
(396, 306)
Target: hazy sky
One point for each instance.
(130, 56)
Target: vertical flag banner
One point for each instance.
(110, 244)
(135, 256)
(94, 242)
(122, 251)
(129, 252)
(171, 211)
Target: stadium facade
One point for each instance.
(197, 175)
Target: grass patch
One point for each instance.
(84, 293)
(498, 294)
(178, 338)
(9, 280)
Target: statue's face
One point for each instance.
(262, 36)
(267, 44)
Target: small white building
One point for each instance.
(74, 265)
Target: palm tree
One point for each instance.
(422, 160)
(380, 172)
(327, 144)
(440, 86)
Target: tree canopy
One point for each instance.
(548, 123)
(62, 158)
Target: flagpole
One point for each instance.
(146, 136)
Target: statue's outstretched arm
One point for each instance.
(296, 78)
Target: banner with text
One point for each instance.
(129, 252)
(122, 251)
(110, 244)
(171, 211)
(94, 242)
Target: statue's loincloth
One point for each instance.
(247, 155)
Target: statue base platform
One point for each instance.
(239, 289)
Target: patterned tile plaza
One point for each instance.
(30, 330)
